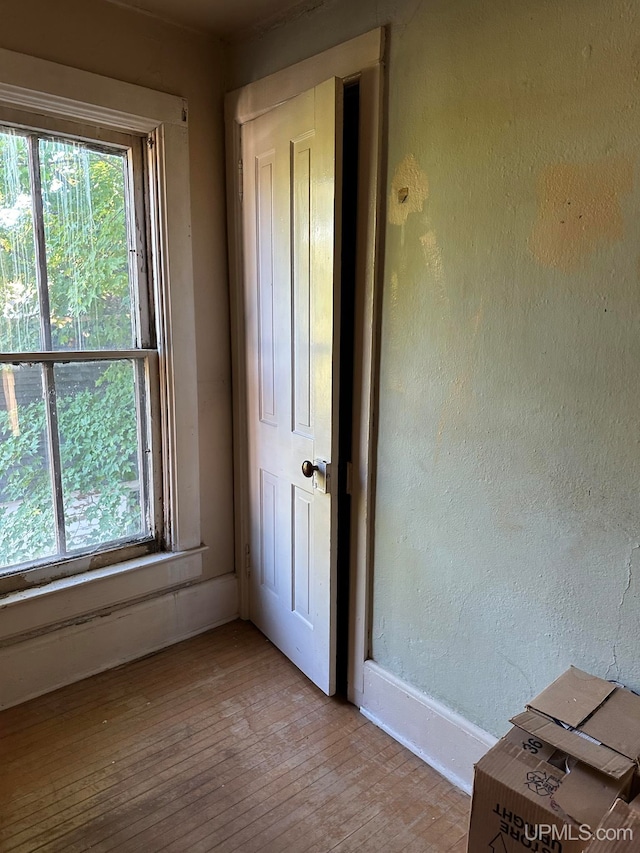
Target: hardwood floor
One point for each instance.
(216, 744)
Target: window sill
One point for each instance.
(40, 609)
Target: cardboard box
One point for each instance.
(619, 832)
(549, 783)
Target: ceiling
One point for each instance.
(225, 18)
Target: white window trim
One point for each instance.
(56, 90)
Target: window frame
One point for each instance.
(54, 96)
(131, 148)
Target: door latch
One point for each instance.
(320, 471)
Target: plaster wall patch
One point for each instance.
(409, 189)
(579, 210)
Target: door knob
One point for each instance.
(308, 468)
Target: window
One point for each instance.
(79, 367)
(52, 101)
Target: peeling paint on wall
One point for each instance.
(397, 383)
(579, 210)
(630, 571)
(409, 189)
(394, 289)
(433, 260)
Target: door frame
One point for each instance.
(360, 59)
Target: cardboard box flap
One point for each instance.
(594, 754)
(625, 820)
(530, 744)
(617, 723)
(573, 697)
(586, 794)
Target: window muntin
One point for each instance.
(76, 472)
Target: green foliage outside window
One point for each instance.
(84, 218)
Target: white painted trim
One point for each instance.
(441, 737)
(175, 309)
(233, 149)
(50, 661)
(366, 371)
(45, 607)
(53, 89)
(343, 61)
(360, 58)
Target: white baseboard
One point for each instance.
(31, 667)
(442, 738)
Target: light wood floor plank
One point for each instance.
(193, 727)
(183, 710)
(242, 775)
(164, 777)
(189, 782)
(216, 744)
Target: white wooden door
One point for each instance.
(291, 207)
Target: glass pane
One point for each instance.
(98, 426)
(85, 219)
(27, 520)
(19, 311)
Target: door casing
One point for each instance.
(361, 58)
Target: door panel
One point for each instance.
(266, 330)
(301, 279)
(292, 168)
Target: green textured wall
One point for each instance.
(507, 517)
